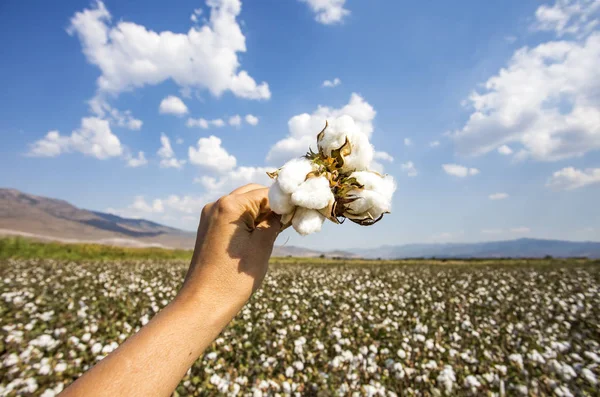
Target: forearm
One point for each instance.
(152, 362)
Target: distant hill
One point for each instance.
(521, 248)
(51, 219)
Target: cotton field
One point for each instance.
(378, 329)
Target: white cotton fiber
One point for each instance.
(307, 221)
(293, 173)
(335, 136)
(383, 185)
(375, 198)
(280, 202)
(314, 193)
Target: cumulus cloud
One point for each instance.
(217, 186)
(303, 128)
(172, 105)
(235, 121)
(94, 138)
(434, 143)
(385, 156)
(251, 119)
(546, 100)
(408, 142)
(570, 178)
(131, 56)
(409, 168)
(138, 161)
(167, 155)
(332, 83)
(211, 155)
(459, 170)
(505, 150)
(498, 196)
(328, 12)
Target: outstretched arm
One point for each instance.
(234, 242)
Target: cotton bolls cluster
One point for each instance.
(335, 183)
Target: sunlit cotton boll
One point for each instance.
(279, 201)
(314, 193)
(307, 221)
(374, 199)
(293, 173)
(334, 137)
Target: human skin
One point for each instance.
(233, 246)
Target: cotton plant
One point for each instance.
(333, 183)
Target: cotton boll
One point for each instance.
(383, 185)
(367, 203)
(361, 156)
(293, 173)
(336, 132)
(314, 193)
(335, 136)
(279, 201)
(307, 221)
(374, 199)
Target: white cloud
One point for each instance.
(235, 121)
(434, 143)
(210, 154)
(576, 17)
(194, 17)
(498, 196)
(546, 99)
(328, 11)
(408, 142)
(172, 105)
(103, 110)
(167, 155)
(332, 83)
(459, 170)
(505, 150)
(218, 123)
(409, 168)
(303, 128)
(94, 138)
(130, 56)
(217, 186)
(179, 141)
(251, 119)
(138, 161)
(205, 124)
(570, 178)
(520, 230)
(385, 156)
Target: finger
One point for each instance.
(247, 188)
(255, 202)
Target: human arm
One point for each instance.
(233, 245)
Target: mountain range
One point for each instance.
(45, 218)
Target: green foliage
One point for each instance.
(22, 248)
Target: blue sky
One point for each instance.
(490, 110)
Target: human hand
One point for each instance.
(233, 246)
